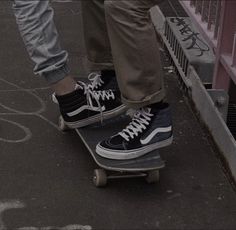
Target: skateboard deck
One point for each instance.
(145, 166)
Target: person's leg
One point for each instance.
(135, 51)
(79, 106)
(96, 36)
(97, 45)
(35, 23)
(137, 62)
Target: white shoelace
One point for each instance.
(95, 79)
(95, 82)
(98, 95)
(140, 121)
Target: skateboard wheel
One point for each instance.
(61, 124)
(153, 176)
(100, 178)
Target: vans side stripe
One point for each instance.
(82, 108)
(153, 133)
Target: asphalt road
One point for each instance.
(46, 176)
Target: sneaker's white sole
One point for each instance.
(131, 154)
(88, 121)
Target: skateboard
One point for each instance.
(146, 166)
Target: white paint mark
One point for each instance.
(51, 123)
(175, 195)
(13, 204)
(12, 111)
(77, 227)
(27, 132)
(68, 227)
(16, 90)
(28, 228)
(40, 110)
(43, 106)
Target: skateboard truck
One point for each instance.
(100, 177)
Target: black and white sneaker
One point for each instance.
(150, 129)
(104, 80)
(84, 106)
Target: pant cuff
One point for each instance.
(56, 75)
(154, 98)
(93, 66)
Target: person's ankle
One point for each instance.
(64, 86)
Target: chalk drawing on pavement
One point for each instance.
(14, 112)
(27, 132)
(16, 204)
(6, 205)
